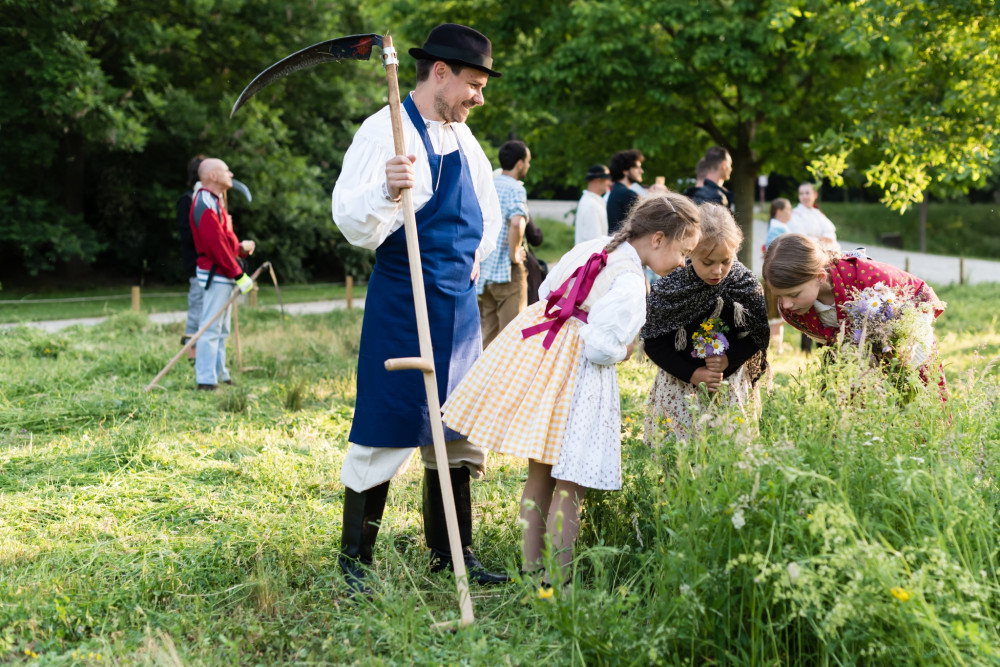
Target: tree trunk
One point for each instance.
(743, 183)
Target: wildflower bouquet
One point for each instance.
(709, 339)
(892, 325)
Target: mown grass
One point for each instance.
(183, 527)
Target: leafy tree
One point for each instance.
(924, 117)
(671, 77)
(779, 83)
(104, 102)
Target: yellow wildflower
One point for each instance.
(545, 593)
(900, 594)
(707, 326)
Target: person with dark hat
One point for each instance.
(458, 221)
(591, 211)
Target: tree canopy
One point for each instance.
(799, 87)
(104, 102)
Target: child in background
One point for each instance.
(781, 213)
(546, 389)
(712, 284)
(812, 284)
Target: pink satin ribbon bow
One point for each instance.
(568, 300)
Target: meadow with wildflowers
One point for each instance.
(855, 526)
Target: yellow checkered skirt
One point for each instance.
(516, 398)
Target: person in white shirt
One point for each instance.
(591, 212)
(810, 221)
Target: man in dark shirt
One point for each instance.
(718, 166)
(626, 170)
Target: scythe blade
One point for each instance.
(354, 47)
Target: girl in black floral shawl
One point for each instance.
(713, 284)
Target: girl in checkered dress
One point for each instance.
(546, 388)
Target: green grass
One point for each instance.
(558, 238)
(179, 527)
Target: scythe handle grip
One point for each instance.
(408, 363)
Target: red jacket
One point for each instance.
(214, 239)
(849, 272)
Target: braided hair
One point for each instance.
(671, 213)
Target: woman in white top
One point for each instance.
(810, 221)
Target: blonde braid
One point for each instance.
(619, 238)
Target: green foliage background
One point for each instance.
(104, 101)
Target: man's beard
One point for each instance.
(443, 110)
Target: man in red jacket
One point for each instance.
(218, 268)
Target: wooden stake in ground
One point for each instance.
(236, 338)
(195, 337)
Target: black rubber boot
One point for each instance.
(436, 527)
(362, 517)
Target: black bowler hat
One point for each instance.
(598, 171)
(458, 44)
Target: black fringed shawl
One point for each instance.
(681, 301)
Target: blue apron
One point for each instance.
(391, 408)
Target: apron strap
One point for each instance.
(418, 123)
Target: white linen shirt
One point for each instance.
(813, 223)
(361, 209)
(616, 316)
(591, 217)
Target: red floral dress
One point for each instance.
(853, 272)
(859, 273)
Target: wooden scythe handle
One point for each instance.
(194, 338)
(425, 362)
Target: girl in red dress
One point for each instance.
(813, 284)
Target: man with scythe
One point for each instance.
(218, 270)
(458, 217)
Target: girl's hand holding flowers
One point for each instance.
(894, 328)
(711, 379)
(709, 340)
(717, 363)
(710, 344)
